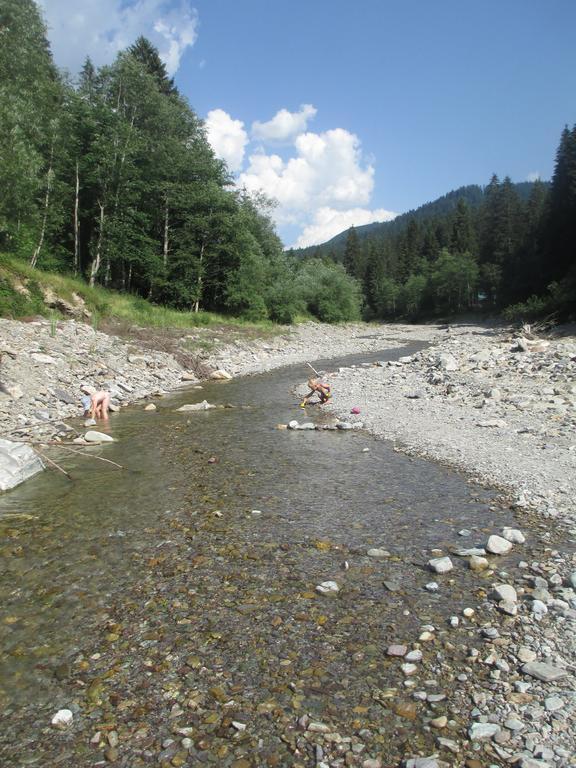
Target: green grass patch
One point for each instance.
(22, 294)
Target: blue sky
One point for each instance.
(347, 112)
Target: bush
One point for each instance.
(531, 309)
(328, 292)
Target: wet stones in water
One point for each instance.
(478, 563)
(192, 407)
(377, 552)
(62, 719)
(414, 656)
(92, 436)
(328, 588)
(441, 564)
(513, 535)
(497, 545)
(396, 650)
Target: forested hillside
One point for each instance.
(507, 246)
(442, 207)
(111, 178)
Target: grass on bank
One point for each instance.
(23, 289)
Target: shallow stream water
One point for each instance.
(125, 593)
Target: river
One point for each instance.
(180, 593)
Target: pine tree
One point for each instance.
(352, 253)
(463, 239)
(147, 55)
(560, 235)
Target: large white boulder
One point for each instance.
(18, 462)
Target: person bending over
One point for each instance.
(319, 388)
(97, 405)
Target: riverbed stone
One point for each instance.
(220, 375)
(40, 357)
(505, 592)
(396, 650)
(328, 588)
(497, 545)
(548, 673)
(553, 703)
(93, 436)
(422, 762)
(483, 731)
(378, 552)
(526, 654)
(62, 719)
(441, 564)
(508, 607)
(447, 362)
(477, 563)
(191, 407)
(513, 535)
(414, 656)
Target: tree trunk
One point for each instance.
(98, 257)
(165, 248)
(76, 222)
(49, 177)
(199, 281)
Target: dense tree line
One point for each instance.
(111, 178)
(506, 246)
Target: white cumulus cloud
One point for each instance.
(326, 171)
(101, 28)
(227, 137)
(329, 222)
(284, 125)
(321, 181)
(533, 176)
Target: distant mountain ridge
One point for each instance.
(473, 194)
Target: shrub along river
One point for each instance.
(172, 605)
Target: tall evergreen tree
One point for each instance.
(560, 235)
(147, 55)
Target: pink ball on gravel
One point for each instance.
(355, 409)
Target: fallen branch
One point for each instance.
(90, 456)
(52, 463)
(65, 447)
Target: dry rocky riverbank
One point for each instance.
(502, 407)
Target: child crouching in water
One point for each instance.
(317, 387)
